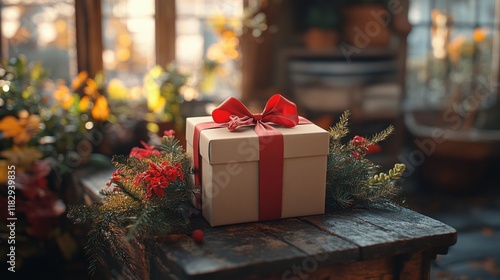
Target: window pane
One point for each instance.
(450, 53)
(43, 31)
(129, 39)
(207, 45)
(419, 9)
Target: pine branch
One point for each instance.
(351, 178)
(171, 146)
(121, 248)
(131, 191)
(130, 212)
(140, 222)
(97, 243)
(382, 135)
(340, 129)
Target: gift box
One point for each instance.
(231, 171)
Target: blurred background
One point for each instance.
(82, 80)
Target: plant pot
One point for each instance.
(366, 25)
(447, 158)
(317, 38)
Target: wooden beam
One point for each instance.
(3, 40)
(89, 46)
(258, 61)
(496, 52)
(165, 31)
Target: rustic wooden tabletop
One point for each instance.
(349, 244)
(384, 242)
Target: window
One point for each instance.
(207, 44)
(451, 57)
(128, 39)
(42, 30)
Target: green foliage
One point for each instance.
(351, 178)
(163, 85)
(20, 83)
(126, 216)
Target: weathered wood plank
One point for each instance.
(386, 232)
(227, 252)
(373, 242)
(416, 231)
(325, 248)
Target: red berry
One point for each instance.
(197, 236)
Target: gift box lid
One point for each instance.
(219, 145)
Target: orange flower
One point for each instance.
(64, 96)
(455, 48)
(10, 127)
(79, 80)
(84, 104)
(91, 89)
(21, 130)
(479, 34)
(100, 111)
(30, 125)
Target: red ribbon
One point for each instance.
(234, 114)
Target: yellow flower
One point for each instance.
(156, 71)
(218, 22)
(156, 104)
(100, 111)
(117, 90)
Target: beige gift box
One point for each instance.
(230, 171)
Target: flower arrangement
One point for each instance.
(38, 196)
(72, 117)
(46, 130)
(20, 111)
(149, 194)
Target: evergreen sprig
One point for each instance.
(127, 215)
(351, 178)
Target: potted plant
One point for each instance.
(366, 23)
(32, 175)
(163, 88)
(322, 22)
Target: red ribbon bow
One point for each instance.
(278, 110)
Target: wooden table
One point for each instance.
(377, 243)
